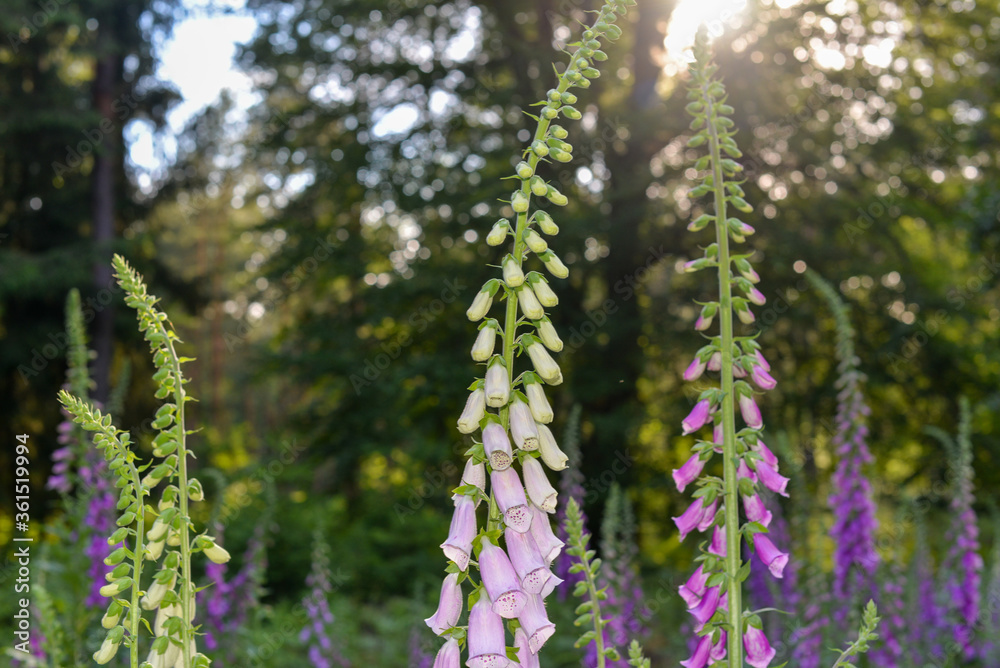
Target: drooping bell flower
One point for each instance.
(750, 412)
(525, 657)
(718, 544)
(548, 544)
(545, 366)
(765, 453)
(449, 606)
(759, 650)
(773, 558)
(715, 362)
(458, 546)
(718, 652)
(535, 622)
(475, 410)
(497, 384)
(487, 643)
(540, 491)
(756, 511)
(760, 376)
(688, 472)
(772, 479)
(553, 457)
(485, 343)
(449, 656)
(539, 405)
(707, 606)
(743, 471)
(693, 590)
(511, 499)
(527, 561)
(698, 416)
(497, 446)
(522, 425)
(689, 520)
(700, 657)
(708, 517)
(501, 581)
(694, 370)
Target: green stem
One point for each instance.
(733, 536)
(186, 580)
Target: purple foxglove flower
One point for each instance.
(718, 544)
(715, 362)
(771, 479)
(511, 499)
(449, 606)
(693, 590)
(522, 426)
(718, 652)
(497, 385)
(463, 529)
(553, 457)
(688, 472)
(745, 315)
(759, 651)
(539, 405)
(487, 643)
(549, 546)
(707, 606)
(540, 491)
(756, 511)
(700, 657)
(694, 370)
(739, 371)
(525, 657)
(550, 585)
(697, 417)
(760, 376)
(449, 656)
(761, 360)
(743, 471)
(688, 520)
(535, 622)
(497, 447)
(750, 412)
(703, 322)
(773, 558)
(765, 454)
(527, 561)
(474, 474)
(501, 581)
(718, 437)
(708, 517)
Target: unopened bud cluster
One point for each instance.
(167, 542)
(510, 412)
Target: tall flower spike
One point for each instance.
(855, 560)
(513, 419)
(733, 358)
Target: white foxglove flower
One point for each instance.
(486, 341)
(545, 366)
(497, 384)
(546, 224)
(475, 411)
(512, 274)
(554, 264)
(498, 232)
(535, 242)
(542, 290)
(548, 335)
(110, 646)
(483, 301)
(541, 410)
(522, 425)
(156, 592)
(553, 457)
(529, 303)
(540, 490)
(497, 446)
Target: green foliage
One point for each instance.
(866, 636)
(635, 656)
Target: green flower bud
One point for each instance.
(116, 557)
(591, 72)
(539, 148)
(557, 197)
(217, 554)
(120, 571)
(568, 98)
(571, 113)
(519, 201)
(499, 231)
(600, 56)
(560, 156)
(524, 170)
(550, 113)
(195, 492)
(558, 131)
(535, 242)
(538, 185)
(118, 536)
(546, 224)
(112, 615)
